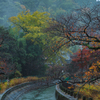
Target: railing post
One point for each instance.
(84, 97)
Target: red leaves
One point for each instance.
(85, 56)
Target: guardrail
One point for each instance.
(8, 91)
(71, 92)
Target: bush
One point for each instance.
(16, 81)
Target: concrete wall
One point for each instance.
(8, 91)
(60, 95)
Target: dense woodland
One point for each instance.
(38, 33)
(55, 38)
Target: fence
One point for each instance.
(65, 87)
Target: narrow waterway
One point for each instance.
(45, 94)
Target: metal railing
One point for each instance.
(65, 87)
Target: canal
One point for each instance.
(45, 94)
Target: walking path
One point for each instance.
(19, 92)
(0, 96)
(14, 95)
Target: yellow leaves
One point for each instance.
(13, 19)
(31, 23)
(98, 62)
(91, 51)
(92, 67)
(93, 70)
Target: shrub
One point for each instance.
(16, 81)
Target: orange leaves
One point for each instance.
(60, 44)
(75, 75)
(78, 84)
(86, 80)
(71, 87)
(56, 41)
(64, 29)
(92, 67)
(92, 30)
(23, 7)
(93, 70)
(72, 32)
(65, 34)
(67, 82)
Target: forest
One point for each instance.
(49, 37)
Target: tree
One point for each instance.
(80, 28)
(55, 71)
(33, 30)
(31, 24)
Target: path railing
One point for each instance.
(66, 88)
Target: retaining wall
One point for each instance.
(8, 91)
(60, 95)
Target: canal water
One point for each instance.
(45, 94)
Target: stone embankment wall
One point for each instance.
(63, 93)
(15, 92)
(60, 95)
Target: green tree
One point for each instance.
(31, 24)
